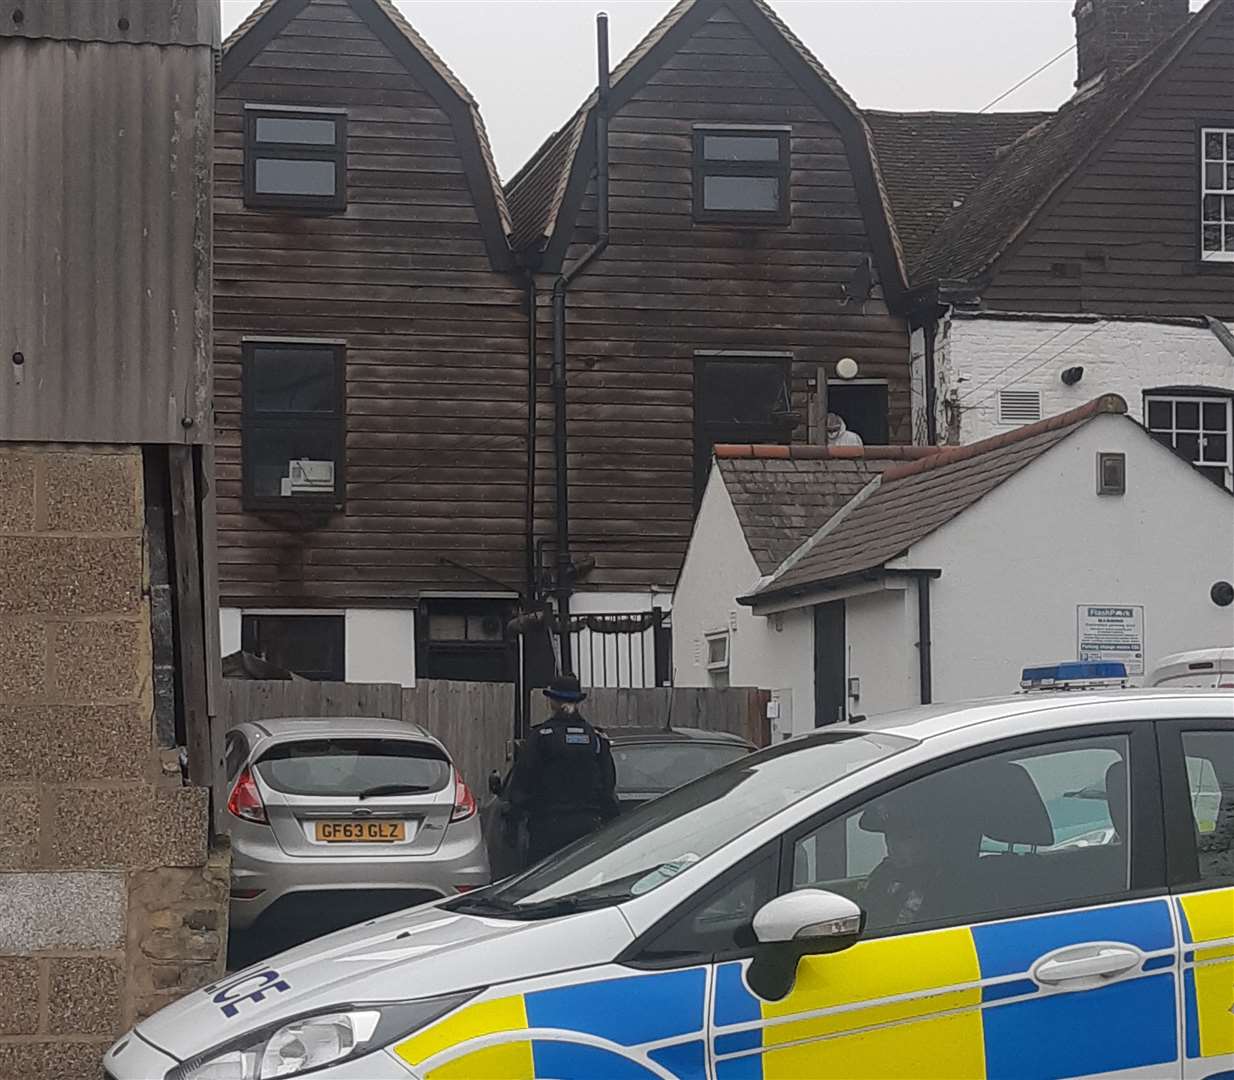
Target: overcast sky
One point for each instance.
(530, 63)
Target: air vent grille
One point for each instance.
(1019, 406)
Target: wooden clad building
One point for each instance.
(749, 249)
(1094, 251)
(370, 359)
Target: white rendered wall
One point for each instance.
(1016, 565)
(882, 635)
(775, 653)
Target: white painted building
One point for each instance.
(1020, 561)
(999, 371)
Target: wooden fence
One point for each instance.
(740, 710)
(475, 721)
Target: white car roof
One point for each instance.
(932, 721)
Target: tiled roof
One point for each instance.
(535, 191)
(1028, 174)
(435, 62)
(932, 161)
(913, 499)
(782, 499)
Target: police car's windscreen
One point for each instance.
(346, 766)
(652, 844)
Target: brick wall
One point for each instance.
(980, 355)
(110, 903)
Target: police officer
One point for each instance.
(563, 782)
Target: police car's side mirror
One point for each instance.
(815, 920)
(807, 922)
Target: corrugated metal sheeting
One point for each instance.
(159, 22)
(105, 154)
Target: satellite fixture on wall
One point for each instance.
(847, 368)
(1072, 375)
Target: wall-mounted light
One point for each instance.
(1072, 375)
(846, 368)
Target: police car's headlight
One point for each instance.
(294, 1047)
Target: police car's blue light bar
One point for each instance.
(1074, 674)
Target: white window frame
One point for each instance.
(1174, 400)
(717, 666)
(1225, 194)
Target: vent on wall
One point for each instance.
(1019, 406)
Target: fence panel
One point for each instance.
(741, 710)
(475, 721)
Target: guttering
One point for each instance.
(565, 566)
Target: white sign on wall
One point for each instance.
(1111, 632)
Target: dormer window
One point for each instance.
(741, 175)
(1217, 195)
(295, 159)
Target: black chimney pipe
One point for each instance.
(565, 564)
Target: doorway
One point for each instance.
(830, 690)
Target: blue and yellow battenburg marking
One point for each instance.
(957, 1003)
(1206, 920)
(941, 1005)
(632, 1027)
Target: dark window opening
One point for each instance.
(863, 407)
(1197, 426)
(293, 425)
(739, 399)
(742, 176)
(295, 160)
(311, 646)
(465, 639)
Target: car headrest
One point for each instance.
(997, 799)
(1008, 806)
(1116, 797)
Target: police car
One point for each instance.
(900, 897)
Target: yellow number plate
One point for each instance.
(361, 832)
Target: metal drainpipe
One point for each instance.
(924, 642)
(565, 565)
(529, 524)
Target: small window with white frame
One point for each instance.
(1217, 194)
(717, 644)
(1196, 426)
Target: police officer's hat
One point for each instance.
(565, 688)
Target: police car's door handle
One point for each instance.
(1083, 966)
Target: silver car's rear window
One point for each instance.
(349, 766)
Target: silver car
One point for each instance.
(337, 820)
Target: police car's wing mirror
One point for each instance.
(814, 920)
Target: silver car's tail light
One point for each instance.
(245, 799)
(295, 1047)
(464, 800)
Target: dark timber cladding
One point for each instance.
(1129, 225)
(404, 278)
(668, 288)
